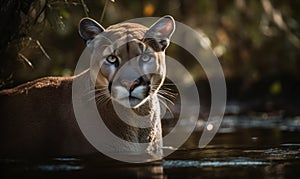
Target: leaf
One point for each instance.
(42, 49)
(25, 59)
(148, 9)
(276, 88)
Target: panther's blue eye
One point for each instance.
(145, 57)
(112, 59)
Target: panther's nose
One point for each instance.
(130, 85)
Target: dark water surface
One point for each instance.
(245, 147)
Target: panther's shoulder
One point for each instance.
(45, 82)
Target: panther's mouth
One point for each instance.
(132, 101)
(130, 93)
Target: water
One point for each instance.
(245, 147)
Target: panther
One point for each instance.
(127, 71)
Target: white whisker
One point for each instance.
(101, 99)
(96, 90)
(167, 107)
(165, 98)
(168, 94)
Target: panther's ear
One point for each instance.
(162, 31)
(89, 28)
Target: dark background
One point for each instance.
(257, 43)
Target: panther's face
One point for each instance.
(128, 59)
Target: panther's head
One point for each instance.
(127, 59)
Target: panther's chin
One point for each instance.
(130, 102)
(134, 101)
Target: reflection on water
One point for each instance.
(244, 148)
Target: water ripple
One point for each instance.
(63, 167)
(193, 163)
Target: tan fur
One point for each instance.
(37, 119)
